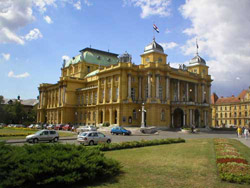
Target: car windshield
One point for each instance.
(83, 134)
(39, 132)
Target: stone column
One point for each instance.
(93, 98)
(190, 117)
(98, 93)
(112, 85)
(202, 93)
(178, 90)
(142, 117)
(195, 93)
(59, 97)
(129, 85)
(157, 86)
(105, 91)
(187, 94)
(167, 88)
(209, 94)
(184, 119)
(140, 88)
(111, 116)
(149, 85)
(64, 93)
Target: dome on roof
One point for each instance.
(126, 57)
(197, 60)
(153, 47)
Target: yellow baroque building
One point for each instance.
(231, 111)
(97, 87)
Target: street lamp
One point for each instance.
(142, 116)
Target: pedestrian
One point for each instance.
(192, 129)
(239, 131)
(246, 133)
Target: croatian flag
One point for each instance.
(156, 28)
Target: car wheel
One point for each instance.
(108, 141)
(91, 143)
(55, 139)
(116, 133)
(35, 140)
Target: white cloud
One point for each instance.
(65, 57)
(12, 75)
(48, 19)
(6, 56)
(16, 14)
(237, 78)
(151, 7)
(33, 35)
(223, 36)
(77, 5)
(86, 2)
(168, 45)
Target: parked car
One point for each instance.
(43, 135)
(31, 126)
(59, 126)
(50, 126)
(120, 130)
(93, 137)
(37, 126)
(3, 125)
(85, 128)
(67, 127)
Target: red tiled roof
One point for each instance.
(227, 100)
(242, 94)
(214, 98)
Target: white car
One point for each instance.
(85, 128)
(93, 137)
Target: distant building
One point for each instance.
(97, 87)
(28, 104)
(231, 111)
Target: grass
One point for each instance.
(23, 131)
(184, 165)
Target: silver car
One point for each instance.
(93, 137)
(85, 128)
(43, 135)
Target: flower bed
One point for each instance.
(14, 134)
(231, 165)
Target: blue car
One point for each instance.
(120, 130)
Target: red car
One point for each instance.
(59, 127)
(67, 127)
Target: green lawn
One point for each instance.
(185, 165)
(22, 131)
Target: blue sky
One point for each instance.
(36, 34)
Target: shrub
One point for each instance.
(106, 124)
(45, 164)
(136, 144)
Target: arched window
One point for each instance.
(162, 115)
(134, 114)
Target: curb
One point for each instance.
(24, 141)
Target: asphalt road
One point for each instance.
(160, 135)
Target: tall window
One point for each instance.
(134, 114)
(91, 98)
(88, 69)
(162, 115)
(95, 97)
(117, 92)
(110, 94)
(146, 91)
(82, 99)
(133, 93)
(78, 99)
(87, 97)
(160, 92)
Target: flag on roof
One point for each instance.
(156, 28)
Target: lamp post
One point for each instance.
(143, 116)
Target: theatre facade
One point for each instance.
(97, 86)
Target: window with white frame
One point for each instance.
(133, 93)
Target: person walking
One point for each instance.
(246, 133)
(239, 131)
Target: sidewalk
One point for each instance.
(244, 141)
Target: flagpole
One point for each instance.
(153, 32)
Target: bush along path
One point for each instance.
(137, 144)
(231, 165)
(43, 165)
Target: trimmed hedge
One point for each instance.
(53, 164)
(14, 134)
(136, 144)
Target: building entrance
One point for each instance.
(178, 118)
